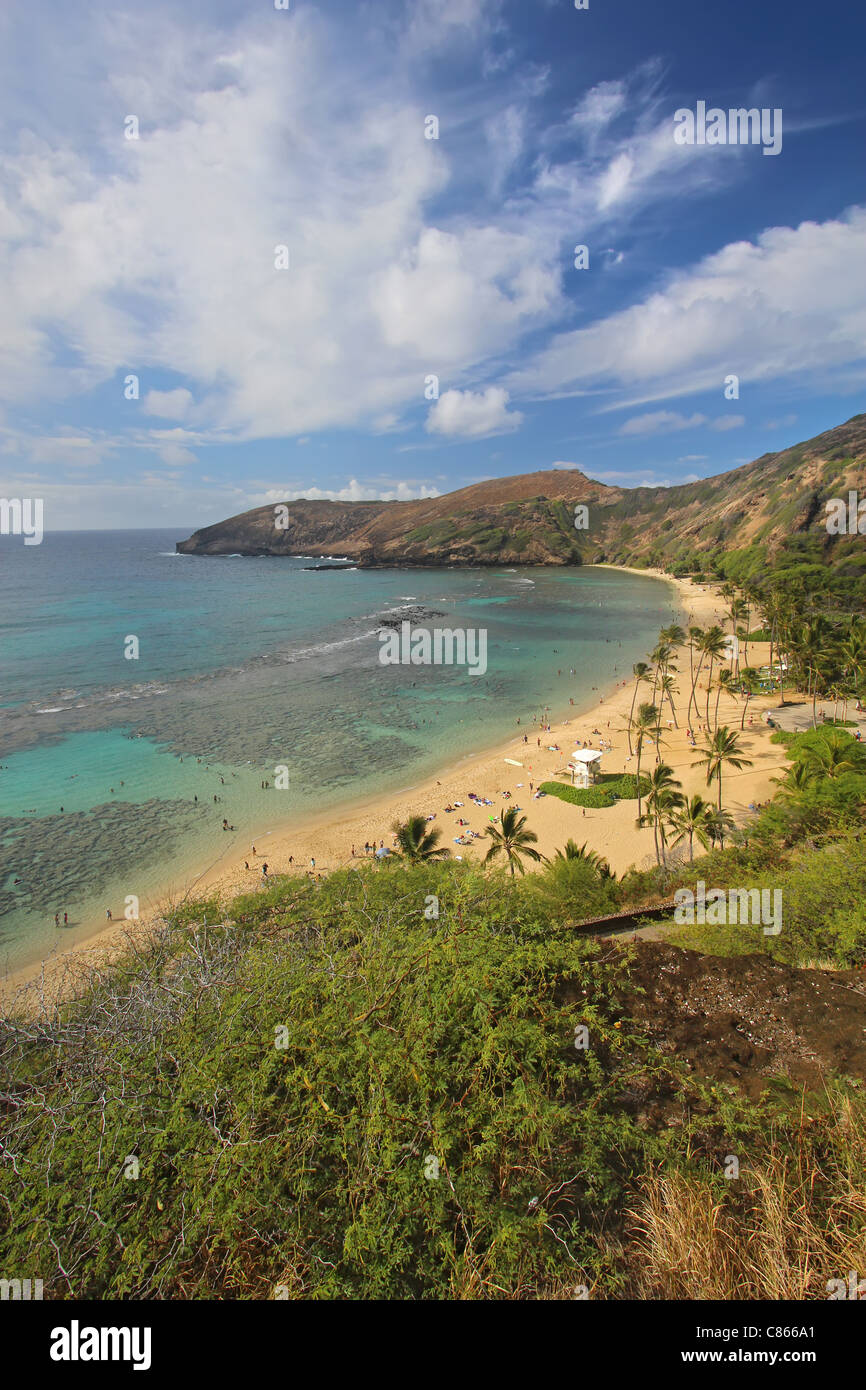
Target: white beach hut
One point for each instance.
(586, 765)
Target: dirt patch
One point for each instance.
(741, 1019)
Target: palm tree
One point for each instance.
(719, 824)
(799, 776)
(511, 839)
(853, 654)
(714, 646)
(748, 676)
(837, 753)
(724, 681)
(417, 844)
(642, 672)
(645, 723)
(695, 638)
(661, 656)
(736, 611)
(662, 800)
(573, 851)
(815, 649)
(724, 747)
(667, 689)
(692, 818)
(673, 635)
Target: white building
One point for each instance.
(586, 765)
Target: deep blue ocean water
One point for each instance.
(244, 665)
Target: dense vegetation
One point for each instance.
(376, 1084)
(418, 1079)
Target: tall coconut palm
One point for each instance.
(663, 797)
(724, 749)
(749, 676)
(642, 675)
(667, 690)
(736, 612)
(512, 839)
(673, 635)
(645, 722)
(417, 844)
(661, 657)
(695, 638)
(724, 681)
(853, 656)
(691, 820)
(713, 646)
(815, 648)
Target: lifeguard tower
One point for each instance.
(585, 767)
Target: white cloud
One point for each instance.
(473, 414)
(171, 405)
(352, 492)
(176, 455)
(727, 422)
(601, 105)
(791, 304)
(432, 28)
(661, 422)
(160, 251)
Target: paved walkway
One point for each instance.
(796, 717)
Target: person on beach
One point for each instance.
(108, 914)
(57, 919)
(65, 920)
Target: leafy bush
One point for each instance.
(334, 1094)
(610, 788)
(578, 796)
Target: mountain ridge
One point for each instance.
(529, 518)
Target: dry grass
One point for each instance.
(791, 1222)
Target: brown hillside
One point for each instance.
(529, 518)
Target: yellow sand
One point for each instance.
(612, 831)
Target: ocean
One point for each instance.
(117, 769)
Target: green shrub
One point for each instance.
(578, 796)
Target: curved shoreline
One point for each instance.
(329, 836)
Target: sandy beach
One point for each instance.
(532, 756)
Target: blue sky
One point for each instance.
(409, 257)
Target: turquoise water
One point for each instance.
(246, 665)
